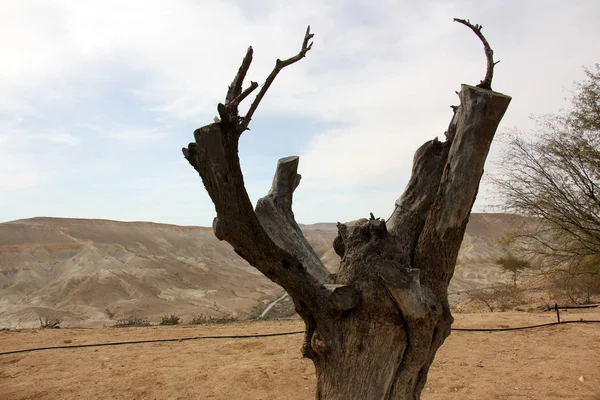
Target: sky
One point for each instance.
(97, 98)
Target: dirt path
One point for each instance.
(271, 304)
(545, 363)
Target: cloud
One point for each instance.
(95, 81)
(17, 172)
(64, 138)
(137, 135)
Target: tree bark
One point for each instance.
(372, 330)
(384, 347)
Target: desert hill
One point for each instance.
(77, 269)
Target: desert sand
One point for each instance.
(558, 362)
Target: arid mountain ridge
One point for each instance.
(80, 269)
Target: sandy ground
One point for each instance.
(546, 363)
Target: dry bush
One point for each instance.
(201, 319)
(131, 322)
(552, 174)
(500, 298)
(110, 314)
(49, 323)
(575, 285)
(170, 320)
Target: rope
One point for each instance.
(79, 346)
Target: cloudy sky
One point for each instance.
(98, 97)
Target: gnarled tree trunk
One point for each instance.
(373, 329)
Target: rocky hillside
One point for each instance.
(78, 270)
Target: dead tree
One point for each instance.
(372, 330)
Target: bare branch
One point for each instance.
(279, 65)
(269, 239)
(235, 89)
(214, 154)
(245, 93)
(550, 176)
(486, 83)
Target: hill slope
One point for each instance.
(76, 269)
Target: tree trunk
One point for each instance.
(373, 329)
(383, 348)
(367, 357)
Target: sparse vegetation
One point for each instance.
(553, 175)
(577, 282)
(170, 320)
(499, 298)
(7, 329)
(49, 323)
(110, 314)
(201, 319)
(132, 322)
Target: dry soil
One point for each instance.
(559, 362)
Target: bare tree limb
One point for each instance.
(486, 83)
(214, 154)
(245, 93)
(279, 65)
(235, 89)
(269, 239)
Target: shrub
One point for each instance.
(507, 297)
(170, 320)
(502, 298)
(50, 323)
(110, 314)
(201, 319)
(131, 322)
(577, 284)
